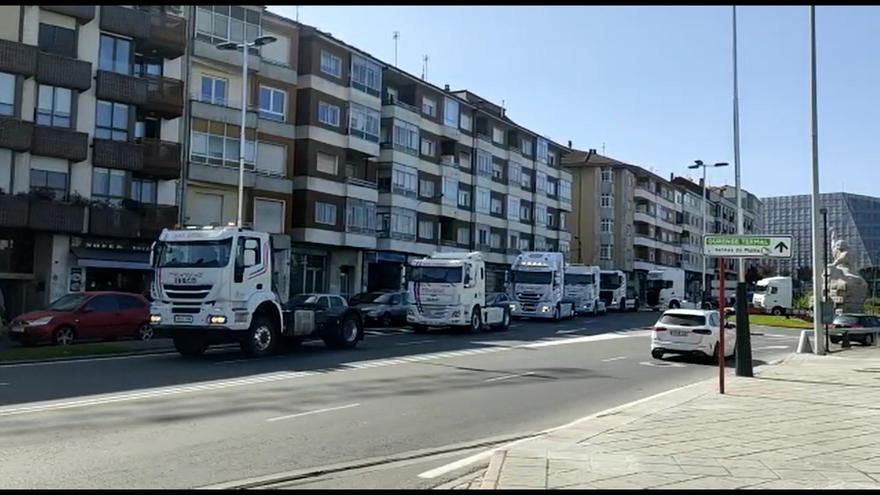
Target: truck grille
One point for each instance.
(606, 295)
(187, 291)
(435, 313)
(528, 301)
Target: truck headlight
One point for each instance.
(411, 311)
(154, 319)
(545, 309)
(218, 320)
(456, 314)
(512, 306)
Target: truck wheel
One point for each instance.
(262, 338)
(190, 346)
(777, 311)
(476, 321)
(420, 329)
(556, 313)
(656, 354)
(622, 306)
(505, 322)
(347, 335)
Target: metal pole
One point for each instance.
(722, 325)
(244, 67)
(739, 212)
(703, 215)
(818, 306)
(825, 271)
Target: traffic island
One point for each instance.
(18, 354)
(808, 422)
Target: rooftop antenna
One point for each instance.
(297, 13)
(395, 35)
(425, 59)
(603, 148)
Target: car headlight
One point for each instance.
(373, 312)
(218, 320)
(155, 319)
(40, 321)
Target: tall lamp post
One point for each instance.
(824, 212)
(232, 45)
(700, 164)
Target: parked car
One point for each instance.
(383, 308)
(85, 316)
(499, 299)
(328, 317)
(693, 332)
(860, 327)
(359, 297)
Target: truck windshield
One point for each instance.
(436, 274)
(659, 284)
(579, 279)
(760, 289)
(523, 277)
(609, 281)
(196, 254)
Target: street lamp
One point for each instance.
(700, 164)
(824, 213)
(232, 45)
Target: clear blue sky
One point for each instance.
(654, 84)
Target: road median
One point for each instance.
(21, 355)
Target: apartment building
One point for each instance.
(91, 99)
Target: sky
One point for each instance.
(654, 85)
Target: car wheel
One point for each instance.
(189, 346)
(64, 336)
(656, 354)
(868, 340)
(715, 351)
(386, 320)
(262, 338)
(145, 332)
(420, 329)
(348, 334)
(835, 340)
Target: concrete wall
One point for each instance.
(339, 258)
(9, 19)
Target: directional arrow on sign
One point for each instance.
(781, 247)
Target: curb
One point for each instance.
(493, 472)
(148, 352)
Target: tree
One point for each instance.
(753, 275)
(805, 273)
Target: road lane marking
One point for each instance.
(507, 377)
(663, 364)
(618, 358)
(768, 347)
(3, 384)
(317, 411)
(212, 350)
(417, 342)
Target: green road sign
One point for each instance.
(748, 246)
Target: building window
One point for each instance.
(565, 190)
(331, 64)
(366, 76)
(221, 150)
(214, 90)
(272, 103)
(227, 23)
(426, 188)
(450, 113)
(543, 150)
(269, 215)
(484, 163)
(52, 184)
(273, 159)
(562, 220)
(606, 225)
(111, 121)
(109, 185)
(426, 229)
(406, 136)
(463, 235)
(328, 114)
(514, 171)
(526, 179)
(53, 106)
(428, 147)
(147, 65)
(363, 122)
(143, 191)
(497, 206)
(7, 94)
(328, 164)
(403, 180)
(495, 240)
(497, 170)
(360, 216)
(525, 213)
(450, 191)
(464, 160)
(429, 106)
(607, 175)
(464, 197)
(526, 147)
(482, 236)
(512, 208)
(551, 159)
(465, 121)
(498, 135)
(551, 220)
(541, 182)
(398, 223)
(605, 201)
(524, 244)
(57, 40)
(605, 251)
(114, 54)
(541, 214)
(484, 199)
(325, 213)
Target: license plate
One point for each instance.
(17, 329)
(679, 333)
(183, 319)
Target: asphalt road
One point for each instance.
(399, 406)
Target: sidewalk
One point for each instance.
(810, 422)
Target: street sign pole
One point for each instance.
(723, 324)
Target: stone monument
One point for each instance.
(846, 288)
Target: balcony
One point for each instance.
(60, 142)
(155, 218)
(164, 96)
(82, 13)
(55, 216)
(16, 134)
(121, 88)
(114, 222)
(121, 155)
(161, 159)
(57, 70)
(164, 33)
(14, 210)
(18, 58)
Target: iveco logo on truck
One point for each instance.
(186, 278)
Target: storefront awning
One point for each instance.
(100, 258)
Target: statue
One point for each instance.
(846, 288)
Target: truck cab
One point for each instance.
(582, 287)
(665, 288)
(538, 286)
(773, 295)
(449, 289)
(613, 290)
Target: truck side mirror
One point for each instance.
(250, 257)
(467, 276)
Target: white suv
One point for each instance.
(691, 331)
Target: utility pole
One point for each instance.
(818, 306)
(396, 36)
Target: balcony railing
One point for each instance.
(121, 155)
(361, 182)
(127, 21)
(55, 216)
(82, 13)
(161, 159)
(114, 222)
(57, 70)
(16, 134)
(389, 100)
(158, 31)
(18, 58)
(155, 218)
(122, 88)
(14, 211)
(164, 96)
(59, 142)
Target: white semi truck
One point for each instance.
(229, 284)
(537, 281)
(582, 287)
(666, 289)
(773, 295)
(613, 291)
(449, 290)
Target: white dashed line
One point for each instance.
(663, 364)
(618, 358)
(507, 377)
(317, 411)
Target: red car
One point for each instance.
(85, 316)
